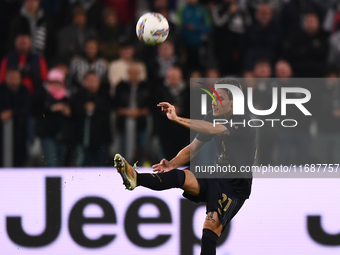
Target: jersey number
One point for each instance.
(221, 202)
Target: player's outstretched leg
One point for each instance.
(212, 229)
(131, 179)
(128, 172)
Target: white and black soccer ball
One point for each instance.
(152, 28)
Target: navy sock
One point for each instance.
(172, 179)
(209, 242)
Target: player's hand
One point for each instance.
(163, 166)
(169, 109)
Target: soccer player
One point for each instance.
(236, 146)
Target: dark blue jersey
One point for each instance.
(237, 149)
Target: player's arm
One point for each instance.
(183, 157)
(199, 126)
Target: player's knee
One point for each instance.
(191, 184)
(213, 223)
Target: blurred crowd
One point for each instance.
(76, 85)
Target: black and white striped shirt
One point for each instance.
(80, 66)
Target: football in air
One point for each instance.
(152, 28)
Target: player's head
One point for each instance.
(226, 108)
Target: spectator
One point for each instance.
(195, 96)
(334, 43)
(93, 10)
(90, 62)
(57, 7)
(263, 88)
(91, 108)
(133, 100)
(262, 39)
(252, 5)
(8, 10)
(159, 65)
(212, 73)
(229, 24)
(328, 119)
(62, 64)
(195, 74)
(39, 25)
(332, 19)
(262, 70)
(309, 49)
(194, 26)
(162, 7)
(71, 39)
(109, 33)
(33, 67)
(262, 100)
(118, 69)
(249, 80)
(15, 104)
(126, 10)
(292, 14)
(293, 143)
(53, 119)
(173, 137)
(283, 70)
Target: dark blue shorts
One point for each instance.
(215, 194)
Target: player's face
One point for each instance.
(227, 105)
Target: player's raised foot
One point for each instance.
(128, 172)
